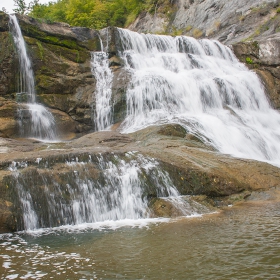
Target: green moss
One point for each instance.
(43, 81)
(34, 32)
(77, 56)
(41, 49)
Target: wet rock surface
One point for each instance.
(194, 168)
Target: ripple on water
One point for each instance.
(242, 242)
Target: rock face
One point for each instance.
(193, 168)
(61, 61)
(263, 56)
(61, 58)
(228, 21)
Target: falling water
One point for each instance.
(34, 119)
(201, 85)
(104, 77)
(121, 192)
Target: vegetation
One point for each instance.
(249, 60)
(95, 14)
(22, 7)
(197, 33)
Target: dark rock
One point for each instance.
(264, 55)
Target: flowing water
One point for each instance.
(35, 120)
(104, 77)
(239, 243)
(101, 189)
(201, 85)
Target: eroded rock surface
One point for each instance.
(195, 169)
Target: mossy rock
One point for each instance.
(34, 31)
(46, 51)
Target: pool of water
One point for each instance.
(241, 242)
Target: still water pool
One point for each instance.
(242, 242)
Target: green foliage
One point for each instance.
(22, 7)
(95, 14)
(249, 60)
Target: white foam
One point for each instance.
(200, 85)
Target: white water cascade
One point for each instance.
(104, 77)
(201, 85)
(34, 119)
(119, 193)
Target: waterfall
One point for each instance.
(200, 85)
(110, 188)
(34, 119)
(104, 77)
(103, 91)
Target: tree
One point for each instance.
(95, 14)
(23, 8)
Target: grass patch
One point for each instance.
(197, 33)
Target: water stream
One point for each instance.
(201, 85)
(35, 121)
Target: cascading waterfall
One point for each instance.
(34, 119)
(103, 93)
(201, 85)
(119, 193)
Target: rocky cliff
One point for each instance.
(61, 63)
(227, 21)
